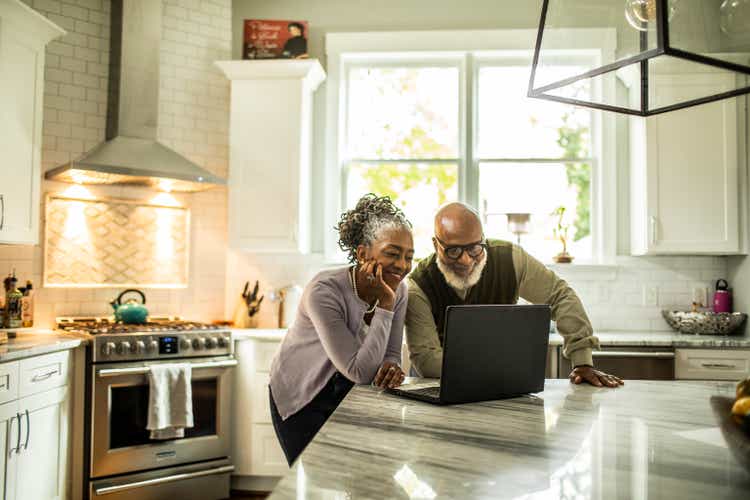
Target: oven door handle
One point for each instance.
(633, 354)
(161, 480)
(142, 370)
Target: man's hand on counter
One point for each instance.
(585, 373)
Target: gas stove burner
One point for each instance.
(95, 326)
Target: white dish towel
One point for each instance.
(170, 400)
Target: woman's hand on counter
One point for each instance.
(585, 373)
(389, 376)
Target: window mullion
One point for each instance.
(469, 173)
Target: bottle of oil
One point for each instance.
(13, 304)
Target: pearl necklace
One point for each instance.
(353, 281)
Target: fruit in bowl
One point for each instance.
(741, 406)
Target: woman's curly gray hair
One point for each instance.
(365, 222)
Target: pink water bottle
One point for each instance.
(722, 297)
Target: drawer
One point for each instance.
(264, 353)
(260, 409)
(712, 364)
(8, 381)
(41, 373)
(267, 457)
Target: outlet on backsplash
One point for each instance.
(650, 295)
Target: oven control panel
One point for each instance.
(162, 345)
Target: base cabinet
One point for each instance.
(712, 364)
(42, 461)
(256, 451)
(34, 429)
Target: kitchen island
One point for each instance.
(647, 439)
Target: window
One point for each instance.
(534, 165)
(443, 125)
(402, 139)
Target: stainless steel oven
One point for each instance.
(122, 460)
(119, 439)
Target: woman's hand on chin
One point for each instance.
(371, 283)
(389, 375)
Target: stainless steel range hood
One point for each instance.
(132, 154)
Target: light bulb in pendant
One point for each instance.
(640, 13)
(735, 17)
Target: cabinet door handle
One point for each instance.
(2, 212)
(17, 449)
(44, 376)
(28, 431)
(652, 229)
(10, 434)
(720, 366)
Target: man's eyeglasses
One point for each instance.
(455, 252)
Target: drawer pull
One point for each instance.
(44, 376)
(719, 366)
(633, 354)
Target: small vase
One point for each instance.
(563, 258)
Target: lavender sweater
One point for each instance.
(328, 336)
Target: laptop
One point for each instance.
(489, 352)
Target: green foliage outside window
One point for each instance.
(572, 140)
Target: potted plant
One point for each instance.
(561, 233)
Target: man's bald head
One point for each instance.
(457, 223)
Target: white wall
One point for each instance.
(194, 110)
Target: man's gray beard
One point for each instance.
(457, 281)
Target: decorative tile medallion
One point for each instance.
(98, 243)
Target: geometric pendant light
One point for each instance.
(658, 42)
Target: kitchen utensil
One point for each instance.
(722, 297)
(130, 311)
(704, 323)
(251, 299)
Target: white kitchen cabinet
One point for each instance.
(685, 179)
(712, 364)
(270, 153)
(256, 451)
(42, 463)
(34, 429)
(24, 34)
(9, 436)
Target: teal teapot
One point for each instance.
(130, 311)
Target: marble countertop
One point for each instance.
(263, 334)
(664, 339)
(27, 344)
(648, 439)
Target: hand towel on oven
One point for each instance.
(170, 400)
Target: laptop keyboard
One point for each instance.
(430, 392)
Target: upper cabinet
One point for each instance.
(23, 36)
(270, 153)
(685, 170)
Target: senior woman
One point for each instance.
(349, 325)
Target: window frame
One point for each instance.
(470, 50)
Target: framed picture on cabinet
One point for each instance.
(274, 39)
